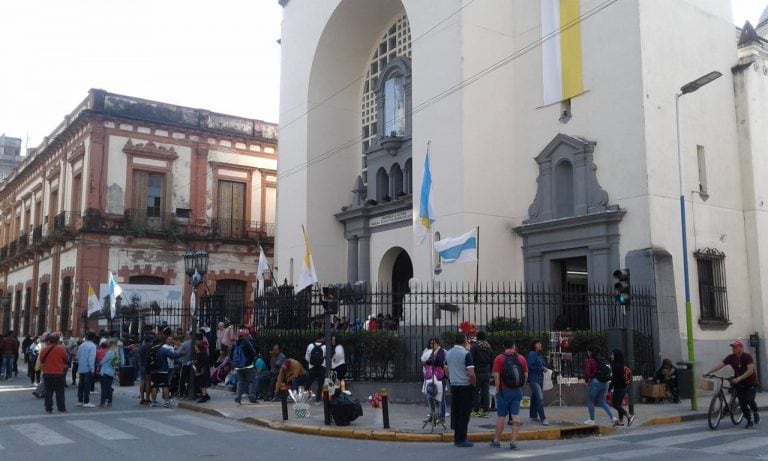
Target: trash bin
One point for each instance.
(684, 379)
(127, 375)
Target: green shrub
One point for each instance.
(499, 324)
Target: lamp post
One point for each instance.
(689, 87)
(195, 265)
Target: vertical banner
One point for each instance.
(561, 50)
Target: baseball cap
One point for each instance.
(737, 343)
(102, 341)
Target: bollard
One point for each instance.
(326, 406)
(384, 393)
(284, 401)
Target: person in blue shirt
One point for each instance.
(536, 367)
(107, 372)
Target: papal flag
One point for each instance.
(307, 274)
(461, 249)
(114, 291)
(93, 301)
(561, 49)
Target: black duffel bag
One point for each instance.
(344, 408)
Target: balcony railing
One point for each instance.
(139, 221)
(38, 234)
(3, 253)
(23, 242)
(238, 229)
(12, 248)
(62, 221)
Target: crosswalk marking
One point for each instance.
(738, 445)
(40, 435)
(100, 430)
(678, 439)
(207, 424)
(156, 426)
(641, 431)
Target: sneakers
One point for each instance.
(89, 405)
(153, 404)
(545, 423)
(79, 404)
(204, 399)
(495, 444)
(534, 419)
(630, 420)
(464, 444)
(475, 414)
(512, 446)
(757, 418)
(482, 414)
(167, 404)
(238, 403)
(750, 425)
(590, 422)
(617, 423)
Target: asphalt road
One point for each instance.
(130, 432)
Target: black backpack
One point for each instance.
(604, 371)
(153, 359)
(316, 358)
(512, 374)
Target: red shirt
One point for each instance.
(498, 366)
(590, 369)
(739, 365)
(54, 359)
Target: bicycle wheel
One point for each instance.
(735, 409)
(715, 412)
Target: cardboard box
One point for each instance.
(654, 391)
(707, 385)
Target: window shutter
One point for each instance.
(140, 183)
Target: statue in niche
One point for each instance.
(359, 191)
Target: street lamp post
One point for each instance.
(195, 265)
(689, 87)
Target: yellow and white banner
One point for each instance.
(561, 49)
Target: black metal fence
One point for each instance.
(405, 321)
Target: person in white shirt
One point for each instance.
(338, 362)
(315, 357)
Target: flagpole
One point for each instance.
(477, 264)
(432, 257)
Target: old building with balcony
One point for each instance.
(129, 186)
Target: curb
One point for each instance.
(660, 421)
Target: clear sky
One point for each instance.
(221, 56)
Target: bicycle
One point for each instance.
(720, 405)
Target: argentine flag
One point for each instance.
(460, 249)
(426, 213)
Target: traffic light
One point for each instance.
(622, 288)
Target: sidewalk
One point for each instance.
(406, 420)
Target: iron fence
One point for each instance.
(406, 320)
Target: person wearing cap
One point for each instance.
(744, 380)
(54, 361)
(246, 375)
(86, 358)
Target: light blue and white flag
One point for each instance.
(426, 213)
(114, 291)
(460, 249)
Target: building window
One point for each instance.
(394, 106)
(382, 185)
(564, 190)
(713, 294)
(66, 304)
(149, 194)
(230, 211)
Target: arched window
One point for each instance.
(382, 184)
(408, 178)
(66, 304)
(394, 106)
(42, 309)
(396, 178)
(563, 190)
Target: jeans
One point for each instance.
(597, 391)
(106, 389)
(481, 400)
(316, 373)
(746, 394)
(461, 407)
(618, 397)
(54, 384)
(8, 363)
(246, 379)
(84, 387)
(537, 401)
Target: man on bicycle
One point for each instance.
(744, 380)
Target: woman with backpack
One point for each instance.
(622, 377)
(597, 374)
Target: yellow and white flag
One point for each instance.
(307, 274)
(93, 301)
(561, 49)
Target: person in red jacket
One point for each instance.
(54, 361)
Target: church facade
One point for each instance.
(566, 187)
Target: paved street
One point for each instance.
(129, 432)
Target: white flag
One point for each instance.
(307, 274)
(263, 264)
(114, 292)
(459, 249)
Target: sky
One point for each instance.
(220, 56)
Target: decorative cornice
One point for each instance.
(151, 150)
(571, 222)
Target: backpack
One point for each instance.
(154, 359)
(239, 360)
(627, 376)
(512, 374)
(604, 371)
(316, 358)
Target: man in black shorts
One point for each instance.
(744, 380)
(157, 367)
